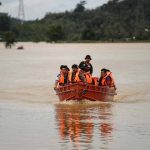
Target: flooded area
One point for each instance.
(32, 118)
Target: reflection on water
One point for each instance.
(105, 126)
(84, 125)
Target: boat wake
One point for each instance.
(133, 94)
(39, 94)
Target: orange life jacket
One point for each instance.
(104, 83)
(95, 81)
(88, 77)
(76, 79)
(61, 79)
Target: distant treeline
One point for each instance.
(118, 20)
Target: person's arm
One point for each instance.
(91, 69)
(82, 77)
(99, 81)
(56, 82)
(81, 64)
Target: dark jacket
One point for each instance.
(87, 67)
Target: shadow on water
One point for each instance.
(88, 126)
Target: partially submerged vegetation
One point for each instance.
(9, 38)
(118, 20)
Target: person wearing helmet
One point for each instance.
(86, 64)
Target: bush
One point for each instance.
(9, 38)
(88, 34)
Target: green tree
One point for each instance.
(9, 38)
(55, 33)
(88, 34)
(80, 7)
(115, 20)
(4, 22)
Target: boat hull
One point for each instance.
(80, 91)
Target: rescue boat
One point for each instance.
(81, 91)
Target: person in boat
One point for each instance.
(67, 68)
(106, 78)
(88, 76)
(74, 74)
(82, 76)
(62, 78)
(77, 75)
(85, 76)
(95, 81)
(86, 64)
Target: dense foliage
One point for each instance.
(118, 20)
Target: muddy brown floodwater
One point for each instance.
(32, 118)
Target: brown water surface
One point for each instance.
(32, 118)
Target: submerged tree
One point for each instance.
(10, 39)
